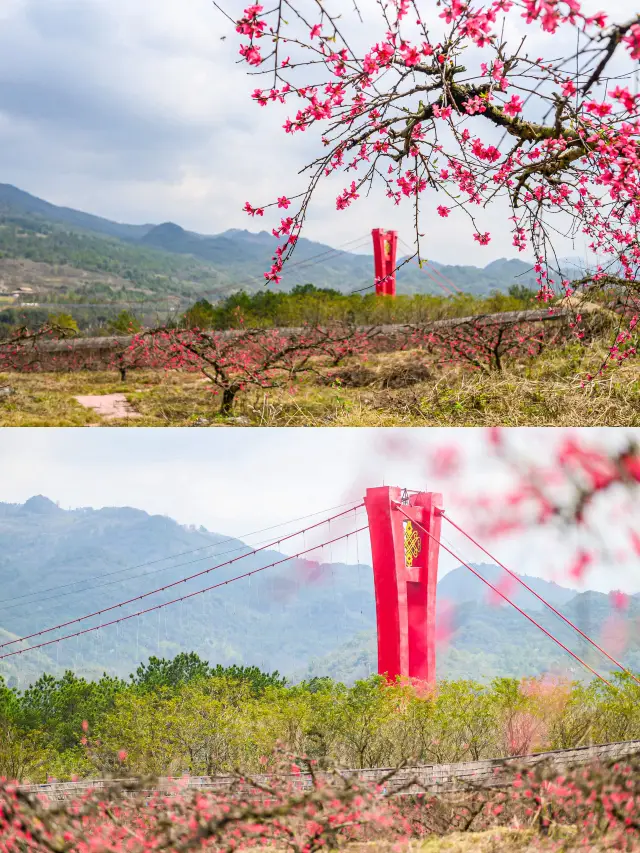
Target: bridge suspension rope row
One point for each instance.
(191, 595)
(201, 573)
(543, 600)
(505, 597)
(18, 601)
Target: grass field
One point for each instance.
(399, 389)
(497, 840)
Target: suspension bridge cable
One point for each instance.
(304, 265)
(132, 577)
(447, 290)
(540, 598)
(65, 595)
(158, 607)
(326, 254)
(437, 271)
(306, 261)
(161, 560)
(175, 583)
(443, 287)
(502, 595)
(313, 260)
(362, 239)
(223, 288)
(445, 278)
(360, 242)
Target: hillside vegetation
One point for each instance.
(151, 262)
(309, 305)
(58, 565)
(128, 273)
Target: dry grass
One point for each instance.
(493, 841)
(399, 389)
(498, 840)
(47, 399)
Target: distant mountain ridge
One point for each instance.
(240, 257)
(57, 565)
(461, 587)
(14, 200)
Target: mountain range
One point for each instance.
(164, 260)
(58, 565)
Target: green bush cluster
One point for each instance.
(307, 304)
(182, 715)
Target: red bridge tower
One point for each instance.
(385, 244)
(405, 573)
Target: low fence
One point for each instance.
(429, 778)
(103, 353)
(117, 342)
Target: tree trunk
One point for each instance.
(228, 399)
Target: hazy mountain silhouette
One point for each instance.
(14, 200)
(241, 257)
(57, 565)
(460, 586)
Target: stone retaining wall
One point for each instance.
(430, 778)
(115, 342)
(104, 353)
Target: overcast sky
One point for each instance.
(238, 481)
(137, 111)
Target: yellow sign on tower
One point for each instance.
(412, 543)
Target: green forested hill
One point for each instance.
(161, 260)
(57, 565)
(142, 272)
(14, 201)
(487, 641)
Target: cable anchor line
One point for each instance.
(502, 595)
(543, 600)
(175, 583)
(177, 600)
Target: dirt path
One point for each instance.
(110, 407)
